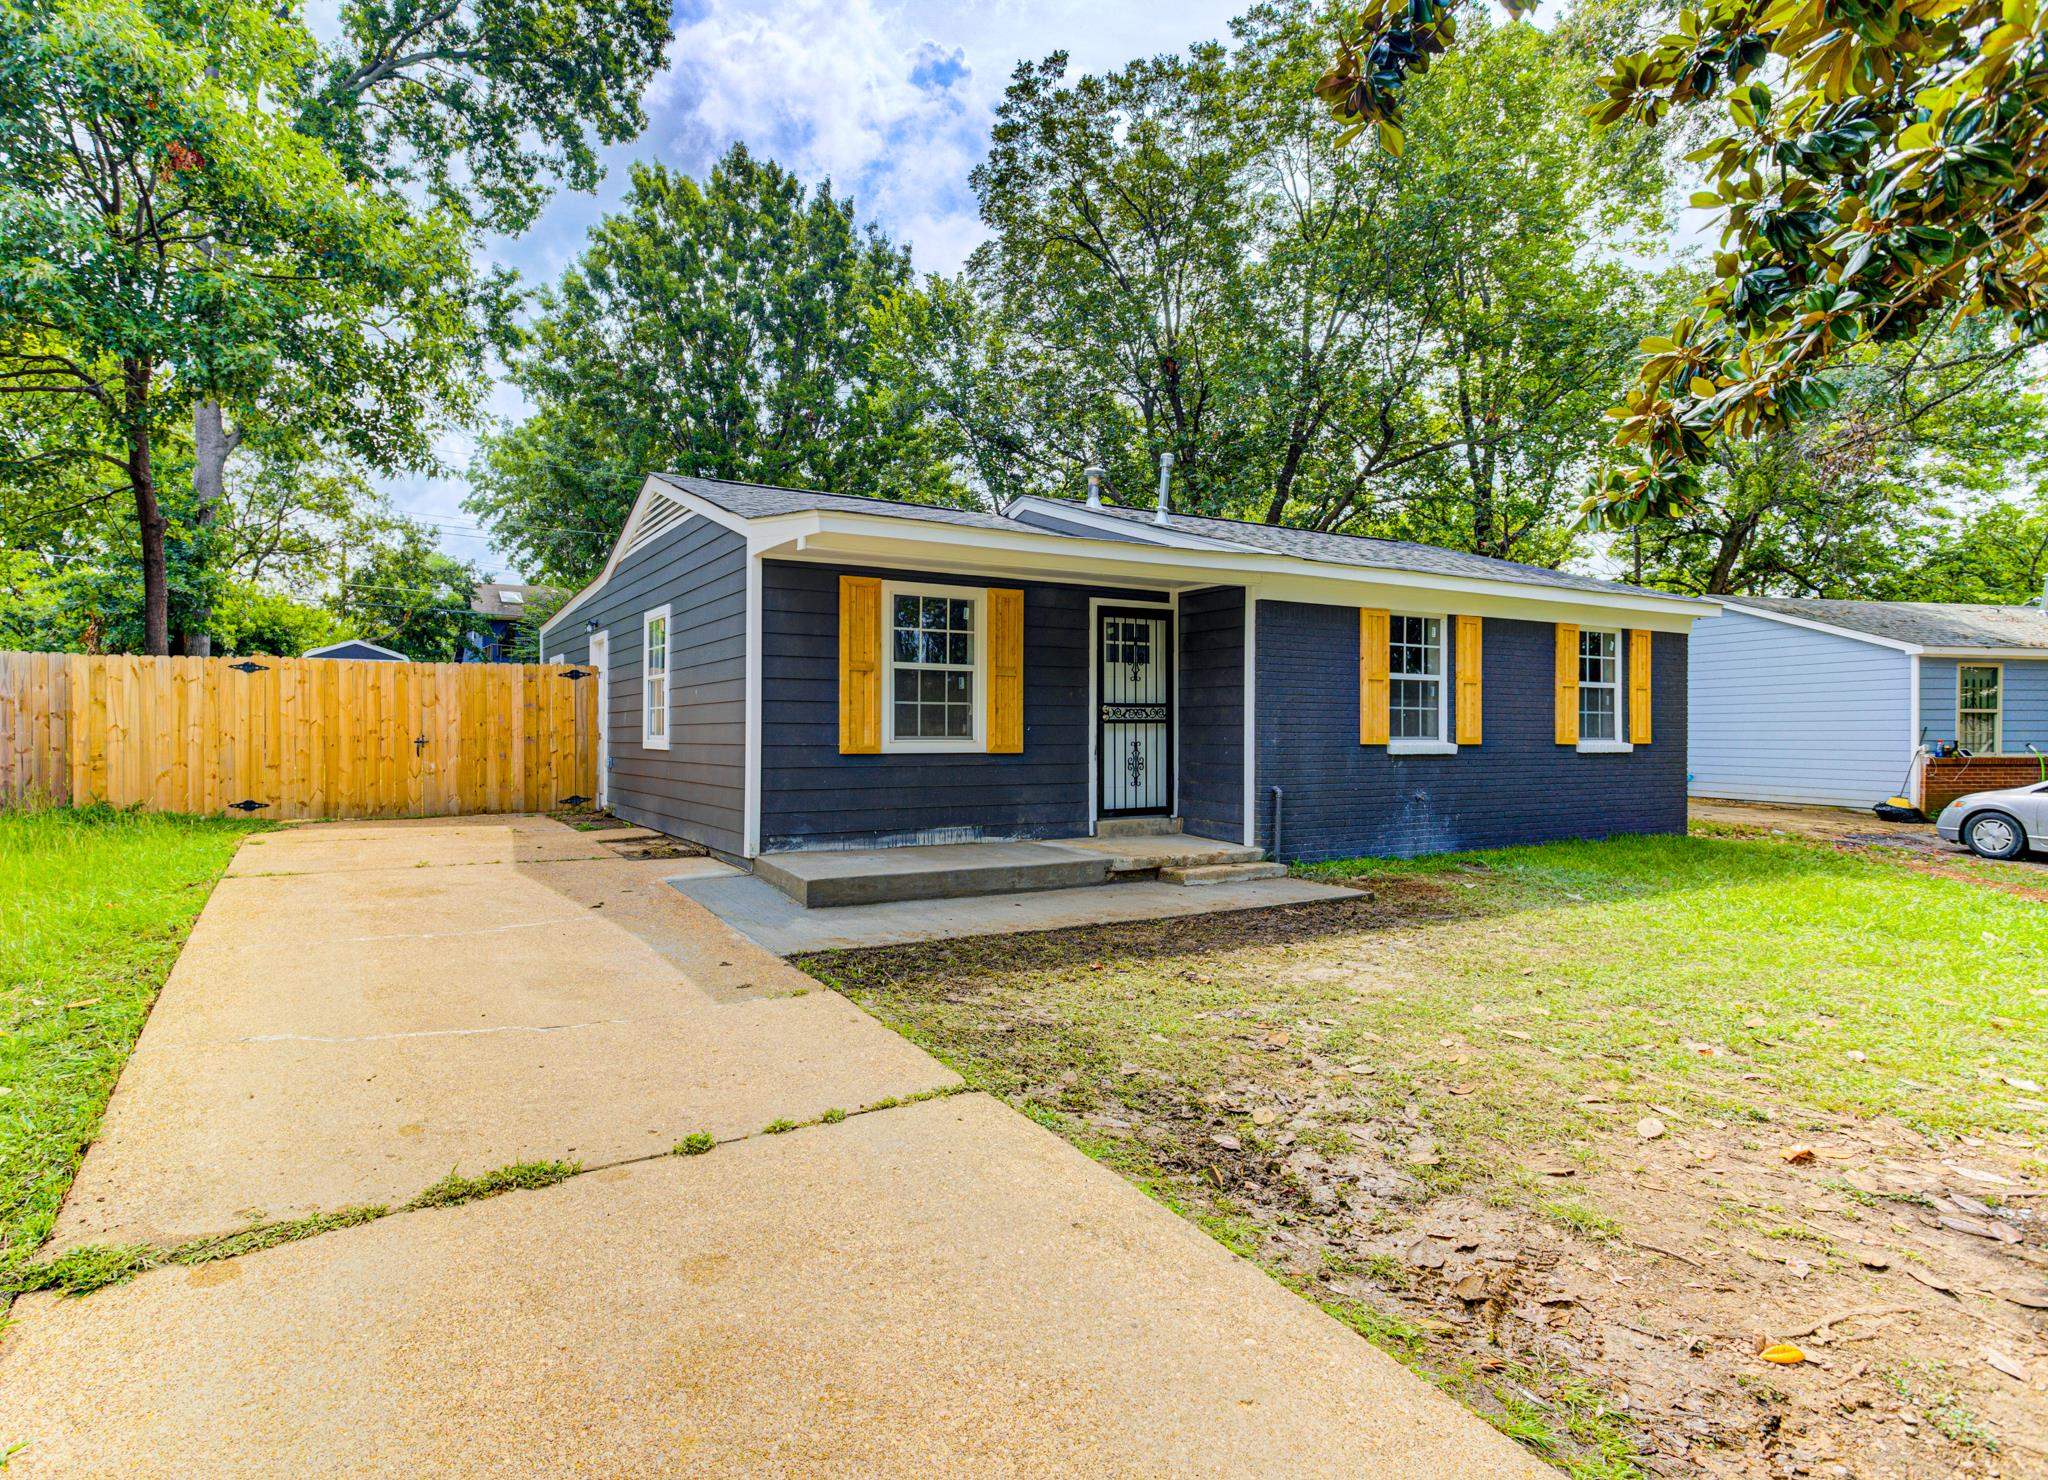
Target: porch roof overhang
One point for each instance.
(840, 538)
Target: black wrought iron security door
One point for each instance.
(1134, 720)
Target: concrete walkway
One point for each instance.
(929, 1287)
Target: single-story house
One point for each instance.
(356, 647)
(794, 670)
(1842, 702)
(503, 605)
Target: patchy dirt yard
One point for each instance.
(1913, 845)
(1594, 1135)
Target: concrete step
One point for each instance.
(826, 879)
(1129, 856)
(1222, 873)
(1136, 827)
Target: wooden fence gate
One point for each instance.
(296, 737)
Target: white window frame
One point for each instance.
(1997, 715)
(1619, 745)
(649, 740)
(1443, 744)
(917, 744)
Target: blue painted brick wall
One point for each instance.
(1346, 800)
(1211, 755)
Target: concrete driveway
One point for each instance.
(929, 1286)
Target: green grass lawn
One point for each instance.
(94, 906)
(1483, 1036)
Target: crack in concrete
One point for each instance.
(476, 930)
(436, 1032)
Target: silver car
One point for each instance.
(1998, 824)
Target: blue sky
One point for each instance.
(889, 99)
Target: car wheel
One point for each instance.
(1995, 835)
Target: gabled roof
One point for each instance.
(1226, 546)
(1917, 624)
(506, 598)
(356, 647)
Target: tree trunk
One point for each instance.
(212, 444)
(156, 586)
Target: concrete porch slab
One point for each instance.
(837, 878)
(1146, 853)
(770, 918)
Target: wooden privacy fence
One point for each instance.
(296, 737)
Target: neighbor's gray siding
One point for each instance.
(696, 788)
(1211, 713)
(1348, 800)
(1787, 714)
(812, 796)
(2024, 701)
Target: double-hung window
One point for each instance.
(1978, 706)
(654, 646)
(936, 655)
(1416, 710)
(1600, 688)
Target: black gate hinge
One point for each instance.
(574, 801)
(575, 673)
(247, 804)
(250, 666)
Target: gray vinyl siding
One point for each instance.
(814, 797)
(696, 788)
(2024, 700)
(1787, 714)
(1211, 739)
(1346, 800)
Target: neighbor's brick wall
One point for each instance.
(1348, 800)
(1947, 779)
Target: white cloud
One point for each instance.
(891, 100)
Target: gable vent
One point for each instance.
(663, 515)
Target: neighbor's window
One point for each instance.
(1599, 686)
(1415, 676)
(935, 654)
(654, 679)
(1977, 707)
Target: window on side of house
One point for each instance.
(1415, 684)
(1979, 701)
(935, 654)
(654, 710)
(1599, 688)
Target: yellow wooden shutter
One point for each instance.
(1639, 687)
(1372, 676)
(1005, 672)
(1470, 673)
(1567, 684)
(860, 665)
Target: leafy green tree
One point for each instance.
(1858, 501)
(167, 237)
(1884, 174)
(405, 594)
(1996, 553)
(1184, 259)
(723, 329)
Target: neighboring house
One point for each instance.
(791, 670)
(355, 647)
(1832, 701)
(503, 605)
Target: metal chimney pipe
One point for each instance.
(1094, 488)
(1165, 482)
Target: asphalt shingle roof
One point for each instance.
(1923, 623)
(754, 501)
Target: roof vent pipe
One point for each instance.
(1165, 482)
(1094, 488)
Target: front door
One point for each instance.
(601, 675)
(1134, 712)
